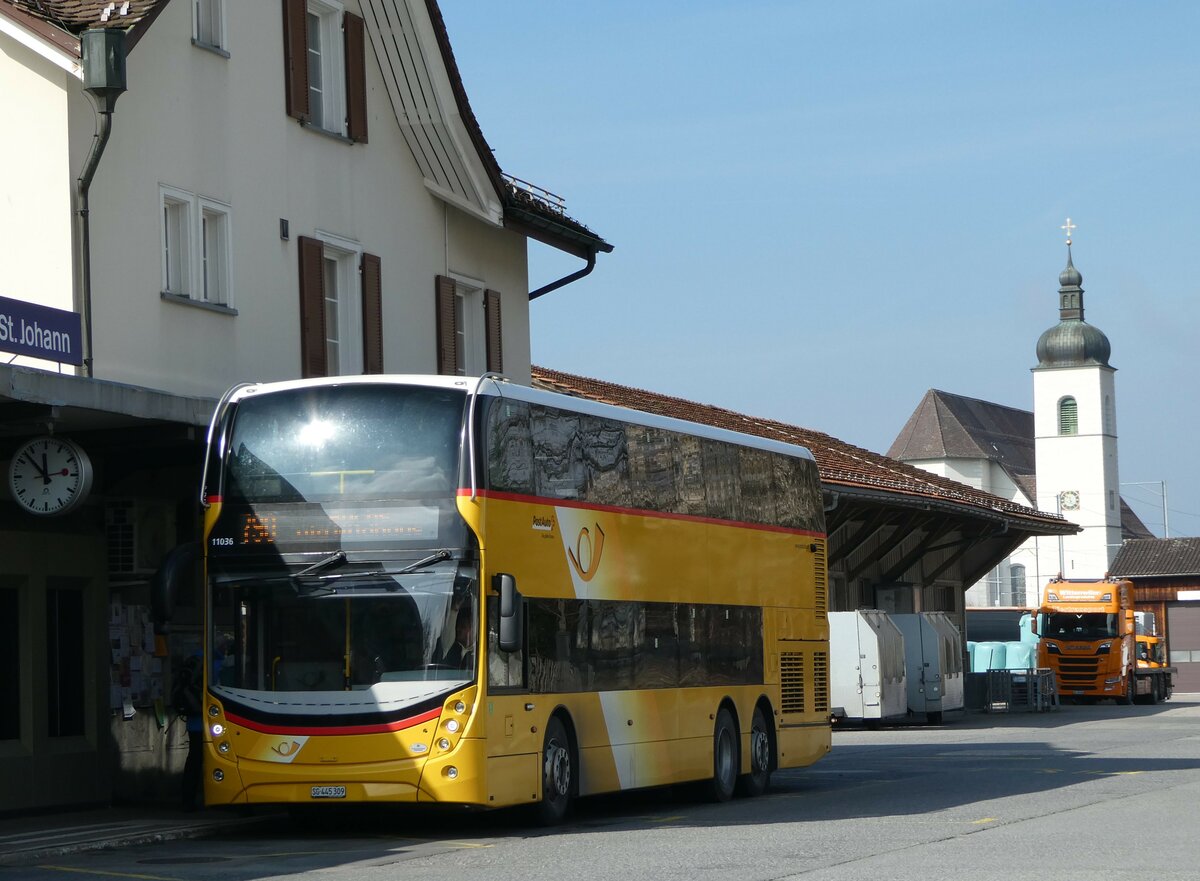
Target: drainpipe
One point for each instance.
(566, 279)
(103, 53)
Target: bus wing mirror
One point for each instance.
(511, 613)
(174, 573)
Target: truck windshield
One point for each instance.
(1087, 625)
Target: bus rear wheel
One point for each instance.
(558, 774)
(756, 782)
(726, 760)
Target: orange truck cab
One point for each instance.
(1088, 636)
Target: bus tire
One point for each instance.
(726, 760)
(558, 774)
(756, 782)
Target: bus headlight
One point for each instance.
(218, 730)
(214, 710)
(460, 707)
(223, 746)
(443, 744)
(452, 725)
(218, 775)
(451, 772)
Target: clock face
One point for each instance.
(1069, 500)
(49, 476)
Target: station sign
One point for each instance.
(40, 332)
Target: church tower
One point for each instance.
(1075, 438)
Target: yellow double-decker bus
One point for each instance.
(466, 591)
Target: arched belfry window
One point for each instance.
(1110, 421)
(1068, 416)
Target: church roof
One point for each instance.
(1157, 557)
(949, 426)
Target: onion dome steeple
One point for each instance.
(1072, 342)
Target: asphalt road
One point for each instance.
(1077, 793)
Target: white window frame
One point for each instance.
(195, 267)
(175, 211)
(214, 243)
(213, 13)
(332, 61)
(346, 254)
(470, 325)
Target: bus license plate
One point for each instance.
(329, 792)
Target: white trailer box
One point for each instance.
(867, 673)
(933, 653)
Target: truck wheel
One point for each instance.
(1130, 692)
(1155, 694)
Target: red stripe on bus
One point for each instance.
(640, 512)
(383, 728)
(214, 500)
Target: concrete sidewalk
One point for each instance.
(33, 837)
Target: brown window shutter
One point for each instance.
(356, 78)
(372, 310)
(491, 314)
(312, 308)
(295, 58)
(447, 328)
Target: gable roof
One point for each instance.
(843, 467)
(459, 142)
(1157, 557)
(948, 426)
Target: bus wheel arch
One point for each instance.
(559, 762)
(726, 755)
(763, 751)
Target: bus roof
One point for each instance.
(495, 386)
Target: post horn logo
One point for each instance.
(285, 749)
(586, 556)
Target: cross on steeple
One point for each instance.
(1068, 226)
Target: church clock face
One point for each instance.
(1069, 500)
(49, 476)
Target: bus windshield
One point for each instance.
(361, 632)
(366, 469)
(330, 442)
(1073, 625)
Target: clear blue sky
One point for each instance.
(822, 210)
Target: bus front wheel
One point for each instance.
(725, 757)
(558, 774)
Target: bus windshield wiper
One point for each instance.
(410, 569)
(334, 559)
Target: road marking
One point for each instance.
(984, 820)
(110, 874)
(665, 819)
